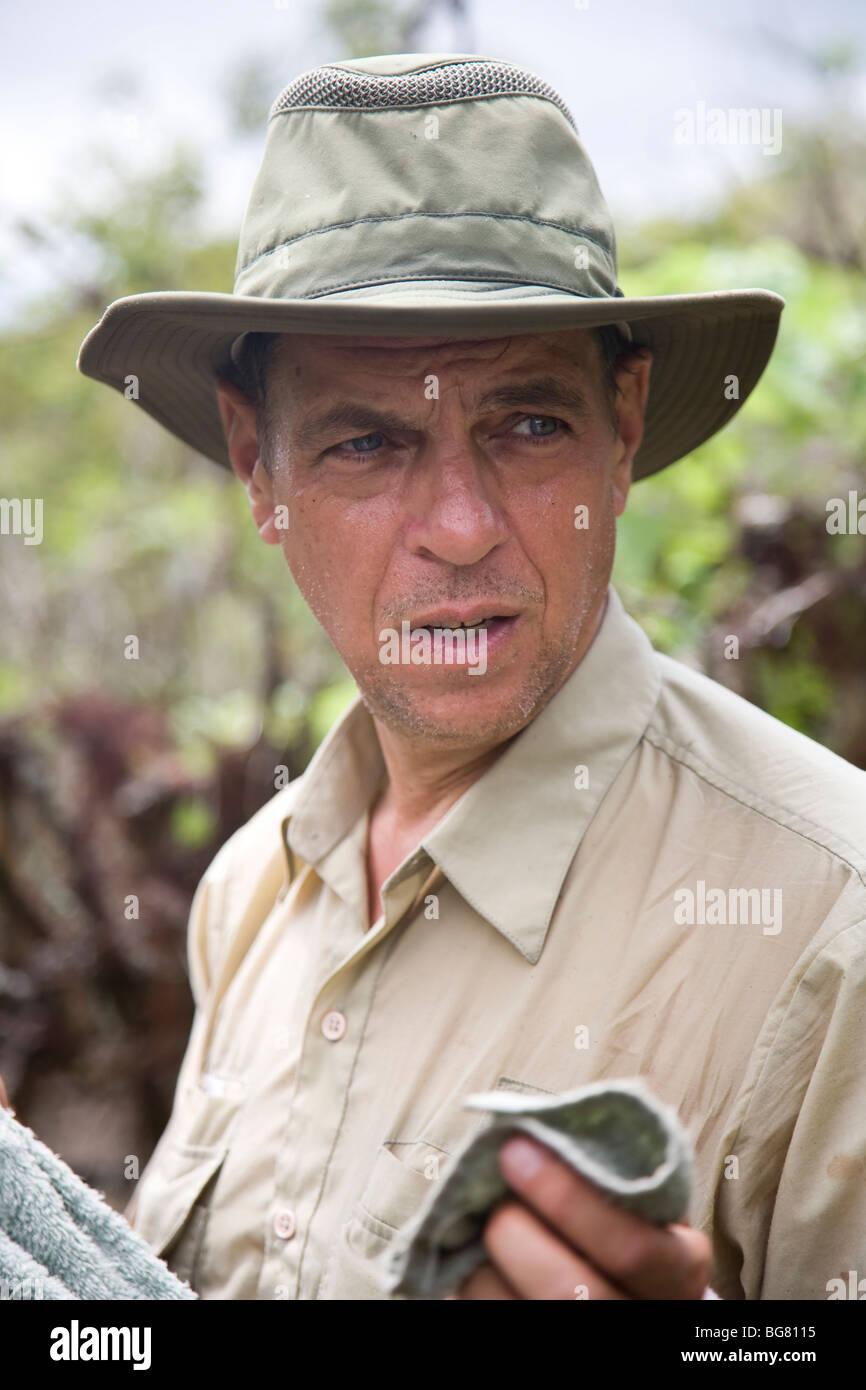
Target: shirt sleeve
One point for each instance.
(790, 1210)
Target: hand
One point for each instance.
(565, 1240)
(4, 1099)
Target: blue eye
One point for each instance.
(541, 434)
(362, 438)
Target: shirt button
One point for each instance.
(284, 1223)
(334, 1025)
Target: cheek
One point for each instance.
(564, 520)
(337, 550)
(311, 547)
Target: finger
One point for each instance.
(646, 1261)
(486, 1284)
(537, 1262)
(4, 1099)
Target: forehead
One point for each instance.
(307, 354)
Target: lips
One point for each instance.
(467, 617)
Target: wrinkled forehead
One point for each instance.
(412, 353)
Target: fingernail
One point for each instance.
(520, 1159)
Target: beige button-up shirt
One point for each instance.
(655, 879)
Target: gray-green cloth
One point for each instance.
(60, 1240)
(615, 1133)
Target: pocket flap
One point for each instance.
(166, 1195)
(394, 1190)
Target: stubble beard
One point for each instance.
(402, 711)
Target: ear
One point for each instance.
(633, 379)
(238, 415)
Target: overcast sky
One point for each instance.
(624, 67)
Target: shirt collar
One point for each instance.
(508, 842)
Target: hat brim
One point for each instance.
(178, 345)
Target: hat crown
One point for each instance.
(367, 85)
(423, 168)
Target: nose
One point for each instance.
(456, 510)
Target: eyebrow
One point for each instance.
(538, 390)
(348, 416)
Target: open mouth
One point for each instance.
(488, 624)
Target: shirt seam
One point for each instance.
(859, 925)
(752, 802)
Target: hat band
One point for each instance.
(420, 246)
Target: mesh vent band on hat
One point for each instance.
(336, 89)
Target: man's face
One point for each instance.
(425, 477)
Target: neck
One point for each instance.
(423, 783)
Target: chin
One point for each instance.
(463, 715)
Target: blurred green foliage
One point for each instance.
(800, 439)
(141, 536)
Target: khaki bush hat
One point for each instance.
(432, 195)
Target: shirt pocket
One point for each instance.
(173, 1197)
(398, 1184)
(394, 1191)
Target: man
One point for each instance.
(553, 856)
